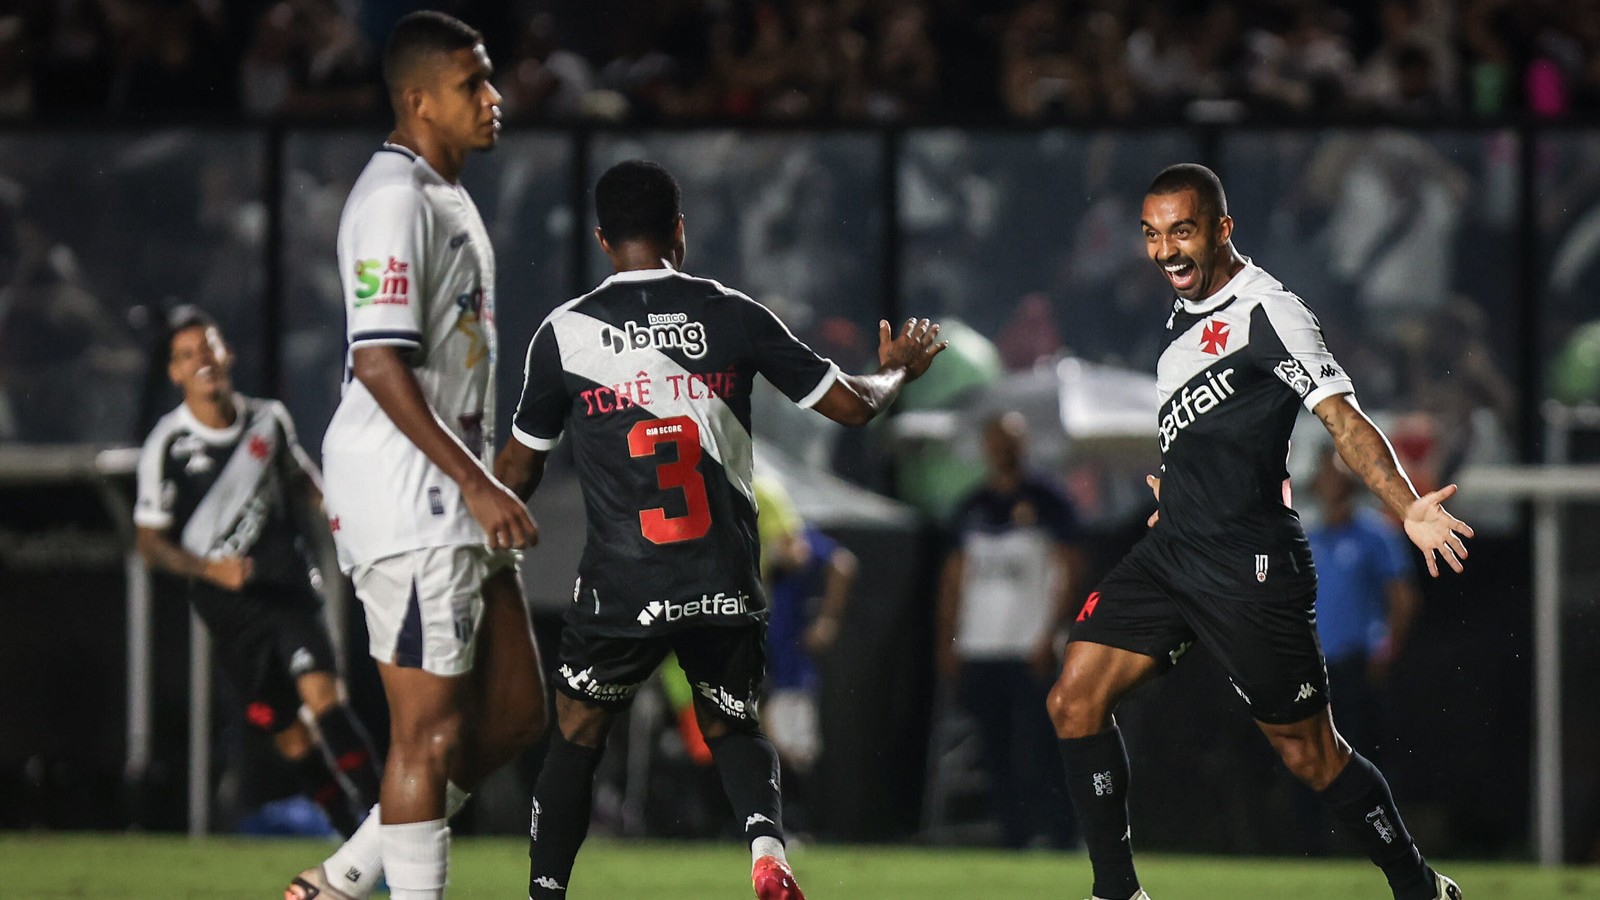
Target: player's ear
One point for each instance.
(414, 100)
(680, 243)
(1224, 229)
(600, 236)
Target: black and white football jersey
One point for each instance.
(1237, 367)
(649, 375)
(222, 491)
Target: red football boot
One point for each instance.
(773, 880)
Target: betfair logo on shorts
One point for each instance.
(661, 331)
(718, 604)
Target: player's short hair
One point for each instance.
(637, 199)
(418, 36)
(1192, 177)
(181, 319)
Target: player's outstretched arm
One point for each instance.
(1368, 454)
(503, 517)
(856, 399)
(520, 468)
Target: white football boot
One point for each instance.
(1445, 889)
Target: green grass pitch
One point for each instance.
(145, 867)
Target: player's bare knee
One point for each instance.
(1311, 757)
(1076, 713)
(293, 742)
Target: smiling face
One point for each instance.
(459, 104)
(1189, 244)
(200, 363)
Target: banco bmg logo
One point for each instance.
(661, 331)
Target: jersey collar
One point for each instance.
(1236, 285)
(215, 435)
(640, 275)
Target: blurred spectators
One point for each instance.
(827, 60)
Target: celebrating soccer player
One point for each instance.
(225, 495)
(649, 376)
(425, 530)
(1226, 561)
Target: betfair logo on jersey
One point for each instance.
(382, 284)
(1192, 403)
(718, 604)
(661, 331)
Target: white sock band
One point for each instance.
(766, 846)
(416, 856)
(358, 863)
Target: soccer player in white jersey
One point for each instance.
(649, 375)
(425, 530)
(1225, 560)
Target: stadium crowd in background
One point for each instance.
(823, 60)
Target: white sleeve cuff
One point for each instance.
(1331, 389)
(532, 442)
(152, 519)
(822, 387)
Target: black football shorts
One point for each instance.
(724, 664)
(1268, 646)
(263, 639)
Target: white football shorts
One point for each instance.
(424, 606)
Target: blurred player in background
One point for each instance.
(650, 375)
(1226, 560)
(1005, 595)
(228, 500)
(809, 577)
(426, 532)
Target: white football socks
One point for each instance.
(766, 846)
(358, 863)
(416, 856)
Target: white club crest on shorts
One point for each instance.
(1261, 567)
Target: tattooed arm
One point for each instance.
(1368, 454)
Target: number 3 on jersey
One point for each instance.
(645, 439)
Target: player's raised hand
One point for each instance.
(913, 349)
(504, 518)
(229, 572)
(1434, 530)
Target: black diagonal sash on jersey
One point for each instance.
(722, 436)
(213, 519)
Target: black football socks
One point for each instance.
(324, 788)
(1361, 799)
(349, 755)
(1097, 782)
(748, 766)
(562, 800)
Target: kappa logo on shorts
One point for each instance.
(1306, 692)
(549, 884)
(756, 818)
(301, 662)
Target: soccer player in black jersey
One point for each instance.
(649, 376)
(1226, 561)
(228, 500)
